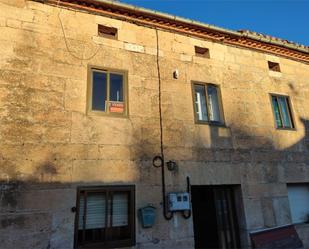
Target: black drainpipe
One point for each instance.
(167, 215)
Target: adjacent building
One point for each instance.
(125, 127)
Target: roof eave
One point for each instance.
(204, 25)
(138, 15)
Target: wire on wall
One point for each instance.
(167, 215)
(66, 40)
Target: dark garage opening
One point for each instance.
(214, 217)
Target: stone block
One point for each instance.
(254, 214)
(104, 171)
(108, 21)
(241, 155)
(108, 42)
(185, 58)
(282, 211)
(272, 58)
(179, 48)
(2, 21)
(264, 190)
(39, 7)
(15, 225)
(62, 236)
(15, 9)
(153, 51)
(134, 47)
(13, 23)
(48, 198)
(35, 240)
(295, 172)
(268, 212)
(75, 96)
(149, 69)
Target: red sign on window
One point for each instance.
(116, 107)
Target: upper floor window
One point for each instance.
(207, 103)
(108, 32)
(282, 111)
(202, 52)
(107, 92)
(274, 66)
(105, 217)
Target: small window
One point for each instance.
(202, 52)
(298, 195)
(282, 112)
(105, 217)
(274, 66)
(207, 103)
(106, 31)
(107, 92)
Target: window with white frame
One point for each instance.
(207, 103)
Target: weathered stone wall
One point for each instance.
(49, 145)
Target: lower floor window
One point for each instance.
(105, 217)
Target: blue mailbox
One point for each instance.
(147, 216)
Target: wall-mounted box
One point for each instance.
(147, 216)
(178, 201)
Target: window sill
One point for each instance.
(104, 114)
(286, 129)
(274, 73)
(211, 124)
(115, 244)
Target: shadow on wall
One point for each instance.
(27, 203)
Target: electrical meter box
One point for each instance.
(178, 201)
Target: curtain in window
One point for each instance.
(104, 216)
(120, 210)
(277, 112)
(95, 211)
(200, 103)
(214, 109)
(284, 112)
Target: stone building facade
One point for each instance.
(57, 145)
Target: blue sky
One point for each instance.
(286, 19)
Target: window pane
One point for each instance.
(200, 102)
(299, 202)
(285, 112)
(116, 87)
(214, 109)
(99, 86)
(95, 211)
(116, 104)
(106, 216)
(120, 210)
(276, 112)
